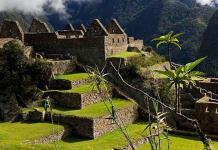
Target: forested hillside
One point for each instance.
(143, 19)
(209, 47)
(24, 20)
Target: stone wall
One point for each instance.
(124, 61)
(77, 100)
(211, 85)
(207, 114)
(61, 84)
(90, 127)
(12, 29)
(115, 43)
(127, 115)
(71, 33)
(135, 43)
(89, 51)
(62, 66)
(38, 26)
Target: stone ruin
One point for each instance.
(205, 108)
(12, 29)
(91, 45)
(38, 26)
(207, 114)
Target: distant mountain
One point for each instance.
(24, 20)
(147, 18)
(143, 19)
(209, 47)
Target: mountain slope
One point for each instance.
(24, 20)
(209, 47)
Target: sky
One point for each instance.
(47, 6)
(204, 2)
(37, 6)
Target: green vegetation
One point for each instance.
(22, 78)
(92, 111)
(125, 55)
(169, 39)
(73, 77)
(106, 142)
(86, 88)
(144, 61)
(13, 136)
(181, 143)
(181, 77)
(109, 141)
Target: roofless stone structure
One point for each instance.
(91, 45)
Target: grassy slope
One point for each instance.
(111, 140)
(73, 77)
(125, 55)
(93, 111)
(13, 135)
(86, 88)
(182, 143)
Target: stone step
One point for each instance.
(79, 97)
(94, 120)
(62, 66)
(69, 81)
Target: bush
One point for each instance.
(21, 76)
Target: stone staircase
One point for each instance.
(77, 103)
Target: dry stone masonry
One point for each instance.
(92, 45)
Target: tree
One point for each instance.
(169, 39)
(182, 76)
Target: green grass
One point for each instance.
(125, 55)
(181, 143)
(92, 111)
(109, 141)
(13, 135)
(86, 88)
(73, 77)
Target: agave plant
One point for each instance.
(182, 76)
(169, 39)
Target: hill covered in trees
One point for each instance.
(209, 46)
(24, 20)
(141, 18)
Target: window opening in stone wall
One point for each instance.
(206, 109)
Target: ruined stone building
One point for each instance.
(91, 45)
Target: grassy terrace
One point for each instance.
(85, 88)
(73, 77)
(14, 135)
(92, 111)
(21, 132)
(106, 142)
(181, 143)
(125, 55)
